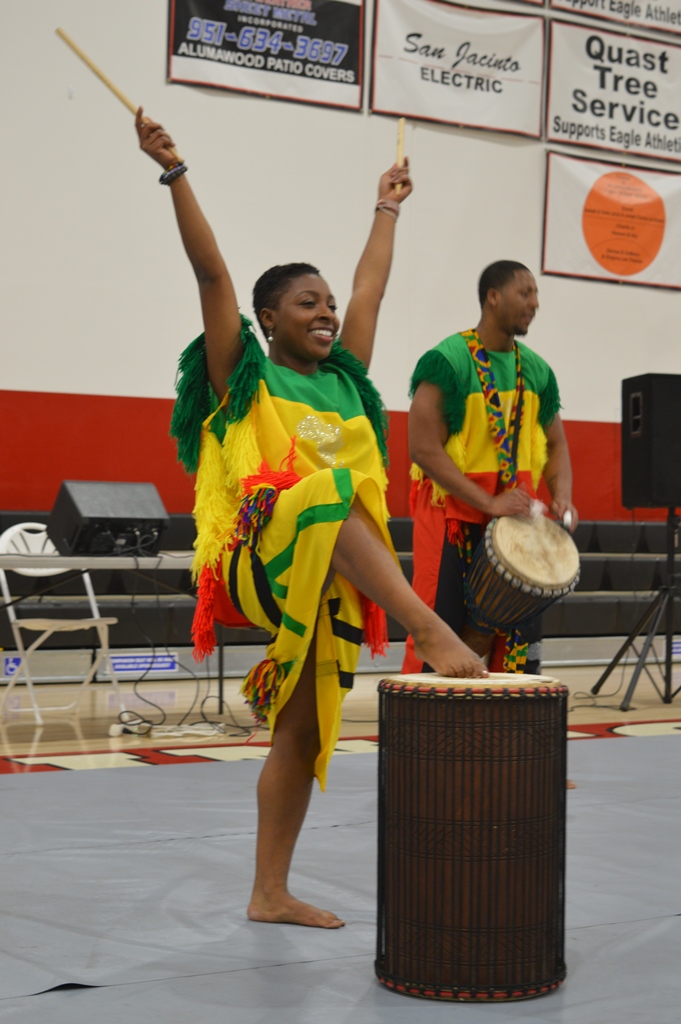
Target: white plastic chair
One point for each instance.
(31, 539)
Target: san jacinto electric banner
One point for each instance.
(455, 65)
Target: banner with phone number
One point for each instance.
(304, 50)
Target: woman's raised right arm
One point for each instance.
(221, 319)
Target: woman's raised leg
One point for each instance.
(362, 557)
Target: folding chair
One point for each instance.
(31, 539)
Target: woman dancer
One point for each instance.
(289, 451)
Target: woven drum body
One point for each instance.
(519, 569)
(471, 858)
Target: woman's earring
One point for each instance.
(269, 337)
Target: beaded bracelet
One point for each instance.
(389, 206)
(173, 172)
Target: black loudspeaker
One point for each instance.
(651, 441)
(94, 518)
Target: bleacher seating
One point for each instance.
(622, 563)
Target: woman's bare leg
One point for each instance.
(284, 792)
(362, 557)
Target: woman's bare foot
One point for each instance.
(439, 646)
(285, 909)
(570, 784)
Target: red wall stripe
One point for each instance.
(53, 437)
(49, 437)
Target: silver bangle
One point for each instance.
(389, 206)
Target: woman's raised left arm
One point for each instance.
(373, 269)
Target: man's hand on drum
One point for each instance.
(516, 502)
(565, 512)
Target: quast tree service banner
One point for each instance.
(307, 50)
(614, 92)
(612, 223)
(436, 62)
(664, 16)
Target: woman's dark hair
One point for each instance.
(496, 275)
(271, 285)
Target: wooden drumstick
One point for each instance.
(400, 150)
(103, 78)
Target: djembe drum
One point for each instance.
(471, 868)
(520, 568)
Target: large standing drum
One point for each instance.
(471, 846)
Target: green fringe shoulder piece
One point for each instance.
(243, 382)
(193, 403)
(434, 368)
(195, 399)
(549, 401)
(341, 358)
(195, 396)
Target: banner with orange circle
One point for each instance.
(610, 222)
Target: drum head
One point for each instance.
(494, 681)
(537, 551)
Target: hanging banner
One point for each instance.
(305, 50)
(454, 65)
(665, 17)
(614, 92)
(611, 223)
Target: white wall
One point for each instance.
(95, 292)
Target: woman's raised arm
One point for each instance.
(373, 269)
(221, 320)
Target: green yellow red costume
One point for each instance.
(279, 464)
(487, 396)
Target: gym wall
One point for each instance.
(98, 299)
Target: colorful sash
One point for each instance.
(515, 653)
(503, 438)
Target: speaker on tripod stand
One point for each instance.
(651, 478)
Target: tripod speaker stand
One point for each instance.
(651, 478)
(661, 608)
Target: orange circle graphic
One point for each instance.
(623, 221)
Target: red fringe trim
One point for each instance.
(413, 491)
(282, 479)
(203, 626)
(454, 532)
(261, 491)
(375, 627)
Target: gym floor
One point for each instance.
(81, 740)
(124, 893)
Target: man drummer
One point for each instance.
(483, 429)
